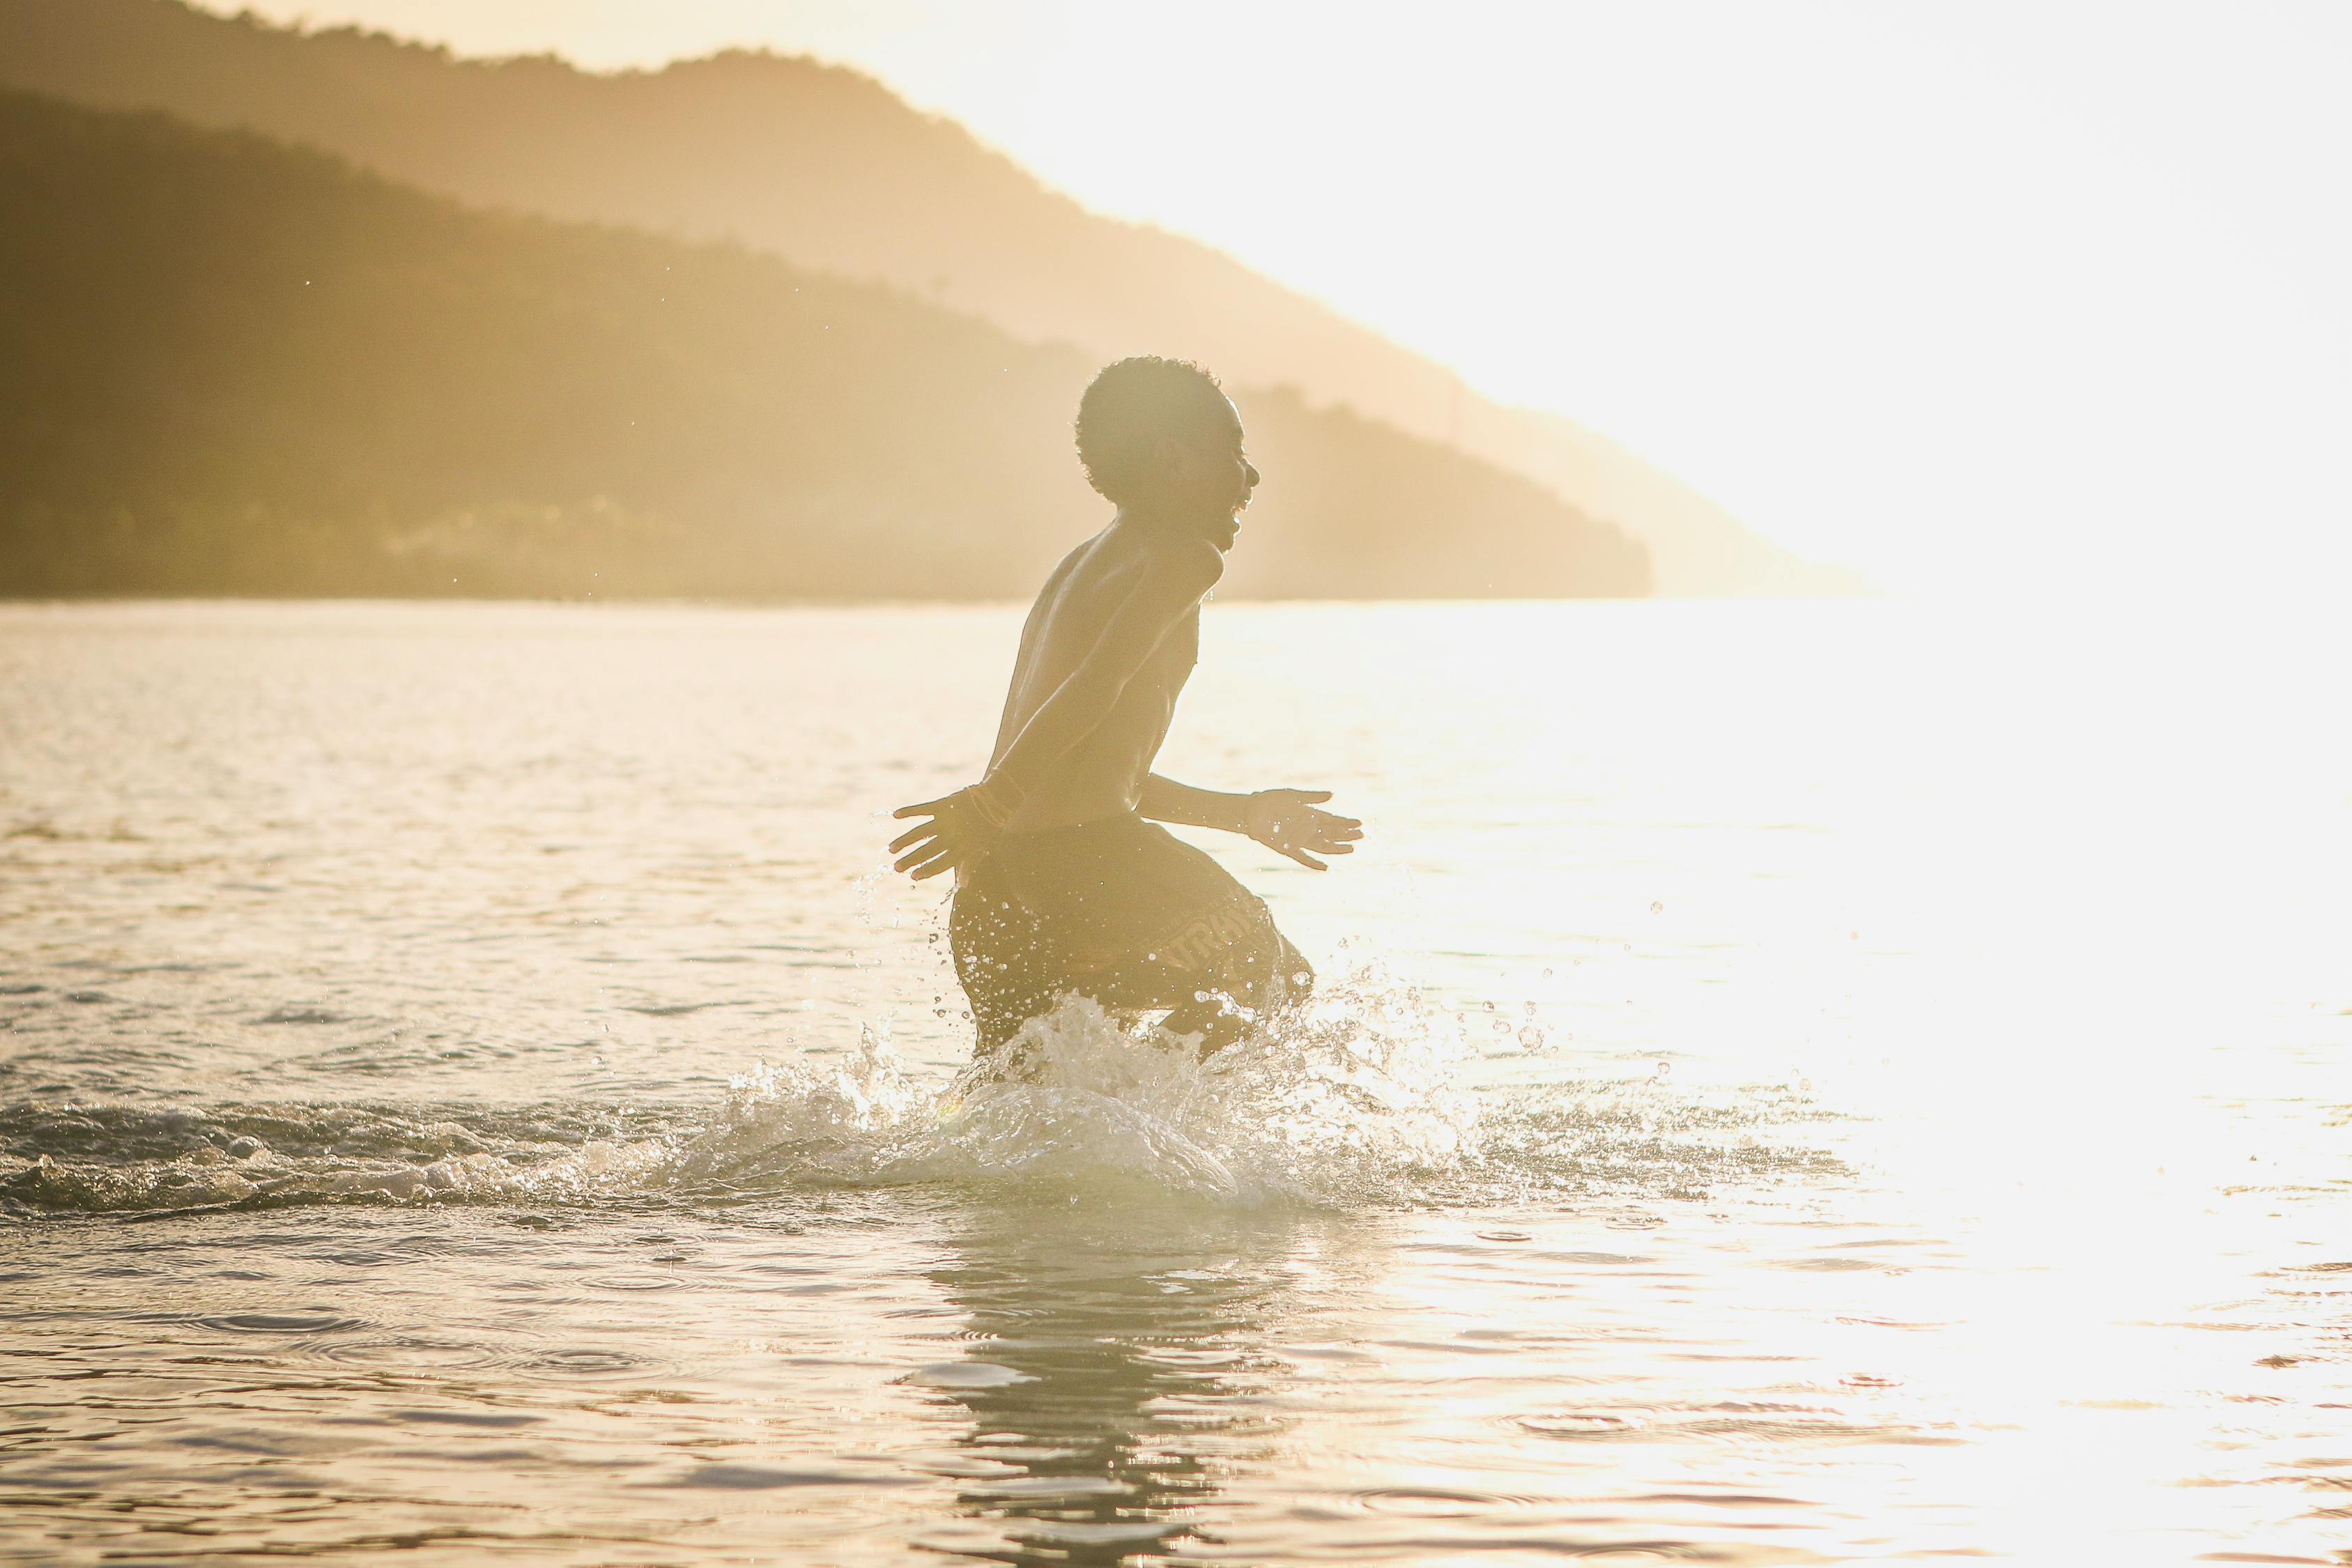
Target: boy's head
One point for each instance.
(1159, 435)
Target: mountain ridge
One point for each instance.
(829, 169)
(232, 365)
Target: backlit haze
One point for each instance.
(1964, 297)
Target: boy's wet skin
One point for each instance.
(1062, 884)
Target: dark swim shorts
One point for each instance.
(1122, 912)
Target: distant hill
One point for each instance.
(828, 169)
(227, 365)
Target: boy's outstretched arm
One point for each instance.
(1284, 820)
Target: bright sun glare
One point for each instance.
(1967, 297)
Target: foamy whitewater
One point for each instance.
(1359, 1102)
(1788, 1083)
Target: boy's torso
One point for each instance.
(1103, 774)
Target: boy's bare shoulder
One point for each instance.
(1116, 563)
(1191, 563)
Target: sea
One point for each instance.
(1789, 1082)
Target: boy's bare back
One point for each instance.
(1133, 593)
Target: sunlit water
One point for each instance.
(1793, 1083)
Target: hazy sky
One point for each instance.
(1936, 291)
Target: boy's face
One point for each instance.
(1208, 476)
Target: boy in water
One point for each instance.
(1063, 882)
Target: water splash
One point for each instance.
(1343, 1104)
(1363, 1100)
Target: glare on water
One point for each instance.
(1793, 1083)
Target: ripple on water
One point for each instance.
(1583, 1427)
(403, 1352)
(966, 1375)
(580, 1361)
(721, 1476)
(1418, 1502)
(294, 1323)
(486, 1420)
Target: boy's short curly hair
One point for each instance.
(1130, 406)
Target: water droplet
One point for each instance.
(1501, 1025)
(1531, 1009)
(1532, 1036)
(1665, 1070)
(1656, 908)
(1547, 973)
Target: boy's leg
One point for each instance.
(1000, 960)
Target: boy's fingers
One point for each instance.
(924, 852)
(1312, 796)
(915, 834)
(928, 808)
(925, 863)
(1306, 860)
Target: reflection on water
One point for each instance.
(1116, 1372)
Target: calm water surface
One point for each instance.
(1794, 1083)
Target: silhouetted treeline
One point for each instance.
(828, 170)
(231, 366)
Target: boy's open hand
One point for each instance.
(958, 833)
(1286, 821)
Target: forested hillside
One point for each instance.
(828, 170)
(227, 365)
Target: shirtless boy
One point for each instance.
(1063, 882)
